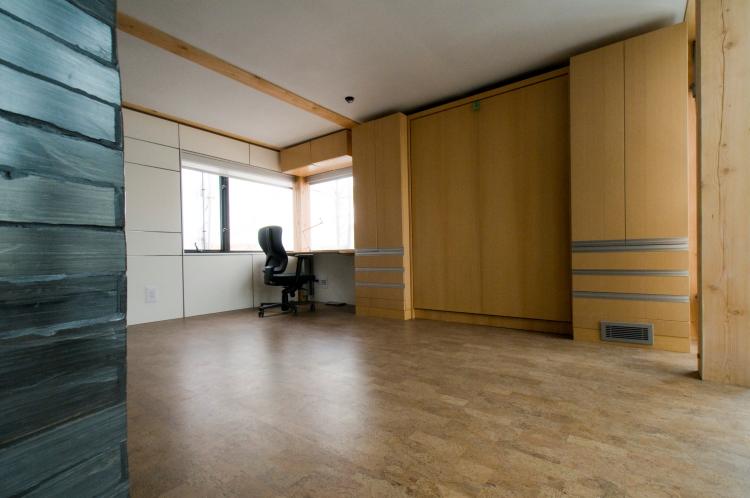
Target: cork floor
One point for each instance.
(333, 405)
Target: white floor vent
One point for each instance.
(635, 333)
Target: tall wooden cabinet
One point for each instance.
(445, 204)
(629, 187)
(490, 190)
(382, 220)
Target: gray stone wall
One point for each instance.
(62, 251)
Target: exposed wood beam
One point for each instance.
(194, 54)
(194, 124)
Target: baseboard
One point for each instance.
(662, 342)
(384, 313)
(496, 321)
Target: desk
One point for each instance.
(334, 270)
(322, 251)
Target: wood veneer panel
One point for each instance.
(445, 211)
(656, 183)
(524, 240)
(379, 261)
(364, 182)
(495, 321)
(380, 277)
(588, 312)
(597, 136)
(330, 146)
(631, 260)
(636, 284)
(395, 293)
(390, 162)
(295, 157)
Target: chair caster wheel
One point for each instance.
(260, 314)
(312, 306)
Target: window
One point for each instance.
(201, 211)
(224, 205)
(331, 211)
(255, 205)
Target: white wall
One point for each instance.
(194, 284)
(218, 282)
(338, 270)
(153, 226)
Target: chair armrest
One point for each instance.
(303, 258)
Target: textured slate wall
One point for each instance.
(62, 251)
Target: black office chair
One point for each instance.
(273, 272)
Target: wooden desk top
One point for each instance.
(322, 251)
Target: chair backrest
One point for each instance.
(269, 239)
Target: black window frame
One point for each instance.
(224, 217)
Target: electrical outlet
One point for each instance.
(151, 295)
(323, 282)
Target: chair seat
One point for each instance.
(290, 278)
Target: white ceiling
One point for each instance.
(392, 55)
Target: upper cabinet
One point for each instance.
(381, 183)
(149, 128)
(597, 136)
(656, 107)
(293, 158)
(629, 139)
(211, 144)
(319, 155)
(264, 158)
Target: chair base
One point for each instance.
(288, 307)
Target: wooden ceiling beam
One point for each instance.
(163, 40)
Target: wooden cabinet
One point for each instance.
(629, 186)
(656, 75)
(445, 207)
(490, 190)
(382, 219)
(597, 135)
(331, 146)
(523, 168)
(391, 181)
(295, 157)
(629, 139)
(326, 153)
(365, 194)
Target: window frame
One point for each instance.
(222, 199)
(326, 177)
(224, 217)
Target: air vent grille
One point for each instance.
(636, 333)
